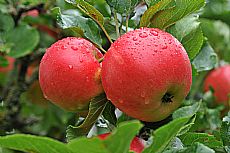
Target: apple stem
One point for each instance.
(101, 59)
(167, 98)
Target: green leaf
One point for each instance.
(187, 110)
(96, 107)
(198, 148)
(168, 17)
(86, 145)
(120, 139)
(207, 118)
(189, 33)
(165, 134)
(151, 2)
(206, 59)
(30, 143)
(89, 10)
(225, 130)
(218, 34)
(4, 150)
(150, 12)
(3, 62)
(109, 113)
(6, 22)
(23, 39)
(117, 142)
(123, 7)
(218, 10)
(190, 138)
(79, 24)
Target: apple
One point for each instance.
(136, 145)
(33, 13)
(10, 65)
(146, 73)
(219, 80)
(69, 73)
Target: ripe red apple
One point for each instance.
(146, 73)
(136, 145)
(69, 73)
(219, 80)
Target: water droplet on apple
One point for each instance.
(164, 47)
(135, 38)
(120, 101)
(147, 101)
(155, 50)
(64, 47)
(71, 66)
(154, 32)
(143, 35)
(143, 94)
(170, 41)
(81, 60)
(74, 48)
(87, 79)
(45, 96)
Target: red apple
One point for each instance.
(10, 65)
(136, 145)
(146, 73)
(219, 81)
(33, 13)
(69, 73)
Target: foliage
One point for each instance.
(28, 27)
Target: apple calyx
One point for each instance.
(167, 98)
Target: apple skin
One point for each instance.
(136, 145)
(69, 73)
(219, 80)
(140, 68)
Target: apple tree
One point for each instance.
(114, 76)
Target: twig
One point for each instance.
(117, 24)
(127, 22)
(101, 26)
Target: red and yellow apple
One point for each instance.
(136, 145)
(69, 73)
(146, 73)
(219, 80)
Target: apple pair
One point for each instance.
(146, 73)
